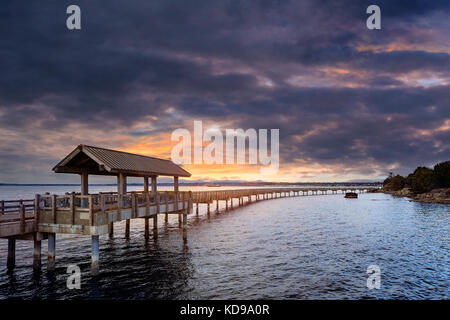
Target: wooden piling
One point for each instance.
(37, 255)
(111, 229)
(11, 262)
(166, 198)
(155, 226)
(95, 255)
(51, 253)
(127, 229)
(147, 228)
(185, 226)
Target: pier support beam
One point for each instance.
(111, 229)
(11, 262)
(51, 253)
(147, 229)
(121, 190)
(95, 255)
(37, 255)
(185, 226)
(127, 229)
(175, 189)
(208, 209)
(155, 226)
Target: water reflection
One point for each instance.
(296, 248)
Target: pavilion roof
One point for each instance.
(101, 161)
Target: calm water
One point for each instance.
(316, 247)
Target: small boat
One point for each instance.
(351, 195)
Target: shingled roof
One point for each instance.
(100, 161)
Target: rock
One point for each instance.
(441, 195)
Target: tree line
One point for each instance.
(423, 179)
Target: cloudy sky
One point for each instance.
(350, 103)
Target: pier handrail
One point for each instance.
(104, 201)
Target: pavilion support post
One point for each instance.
(226, 204)
(51, 253)
(208, 209)
(84, 187)
(95, 255)
(217, 205)
(146, 184)
(196, 210)
(37, 255)
(121, 183)
(11, 262)
(175, 184)
(154, 185)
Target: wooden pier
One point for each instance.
(95, 214)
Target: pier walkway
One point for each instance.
(95, 214)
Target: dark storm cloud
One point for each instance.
(210, 59)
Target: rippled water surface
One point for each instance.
(315, 247)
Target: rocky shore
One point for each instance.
(441, 195)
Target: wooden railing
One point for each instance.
(72, 208)
(94, 209)
(17, 212)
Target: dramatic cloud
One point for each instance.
(350, 102)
